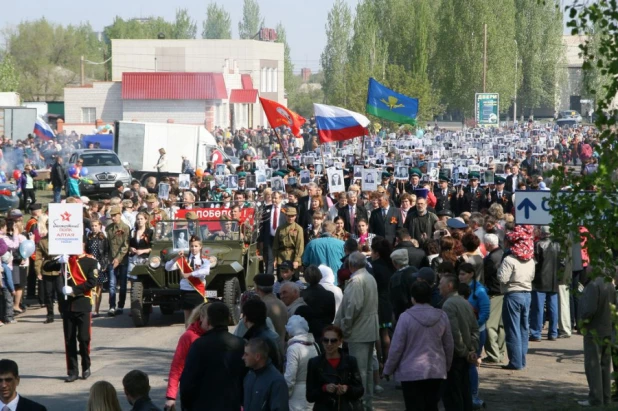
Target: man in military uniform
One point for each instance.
(227, 232)
(472, 198)
(389, 187)
(501, 196)
(445, 195)
(415, 180)
(118, 236)
(154, 212)
(289, 242)
(82, 273)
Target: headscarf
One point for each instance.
(297, 325)
(522, 242)
(328, 277)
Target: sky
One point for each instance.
(304, 20)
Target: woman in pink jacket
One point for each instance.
(197, 327)
(421, 351)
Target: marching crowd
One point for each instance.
(422, 279)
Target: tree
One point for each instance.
(9, 78)
(458, 64)
(596, 79)
(303, 100)
(591, 201)
(291, 83)
(47, 57)
(251, 20)
(366, 57)
(334, 57)
(184, 27)
(218, 24)
(539, 43)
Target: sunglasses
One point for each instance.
(330, 340)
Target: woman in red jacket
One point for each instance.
(197, 327)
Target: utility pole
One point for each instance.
(83, 71)
(516, 82)
(485, 58)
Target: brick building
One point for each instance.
(209, 82)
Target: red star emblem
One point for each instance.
(66, 216)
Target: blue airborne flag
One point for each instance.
(385, 103)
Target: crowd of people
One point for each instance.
(422, 277)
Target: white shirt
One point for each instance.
(12, 405)
(200, 273)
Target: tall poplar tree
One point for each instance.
(335, 55)
(218, 24)
(251, 20)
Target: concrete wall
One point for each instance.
(105, 97)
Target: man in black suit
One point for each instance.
(513, 181)
(352, 212)
(9, 399)
(272, 218)
(386, 220)
(501, 196)
(304, 203)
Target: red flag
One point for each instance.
(217, 157)
(278, 115)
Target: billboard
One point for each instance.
(487, 109)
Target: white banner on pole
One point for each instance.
(66, 229)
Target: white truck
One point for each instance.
(138, 144)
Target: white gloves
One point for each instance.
(67, 290)
(63, 259)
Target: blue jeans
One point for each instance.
(57, 194)
(515, 313)
(474, 371)
(537, 306)
(117, 276)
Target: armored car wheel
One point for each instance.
(140, 312)
(231, 297)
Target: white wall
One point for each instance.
(159, 111)
(105, 97)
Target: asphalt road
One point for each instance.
(553, 381)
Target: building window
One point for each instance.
(89, 114)
(269, 80)
(274, 79)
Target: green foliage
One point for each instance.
(182, 28)
(291, 81)
(9, 78)
(218, 24)
(459, 55)
(302, 101)
(335, 55)
(592, 201)
(540, 51)
(47, 57)
(596, 79)
(251, 20)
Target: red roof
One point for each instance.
(243, 96)
(173, 86)
(247, 83)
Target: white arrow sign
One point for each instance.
(532, 207)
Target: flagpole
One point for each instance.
(362, 147)
(281, 145)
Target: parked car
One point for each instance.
(570, 114)
(8, 197)
(104, 169)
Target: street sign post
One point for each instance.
(487, 109)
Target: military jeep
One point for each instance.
(234, 263)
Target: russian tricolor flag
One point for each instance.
(42, 130)
(337, 124)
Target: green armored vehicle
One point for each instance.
(234, 262)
